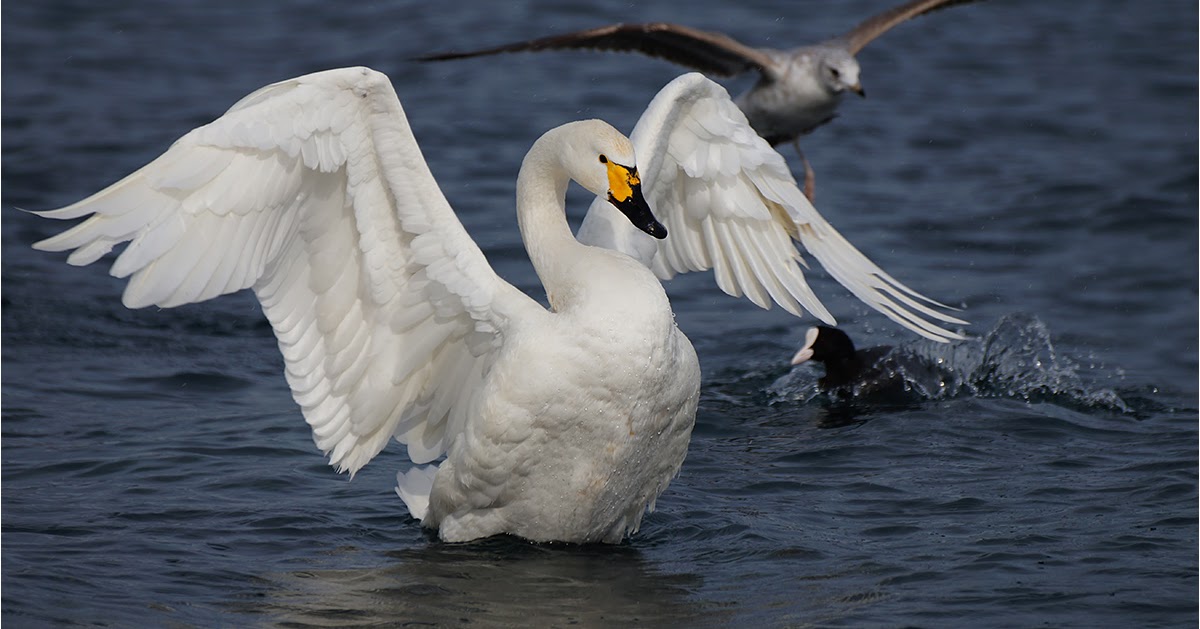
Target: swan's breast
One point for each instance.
(587, 417)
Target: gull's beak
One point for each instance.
(857, 88)
(625, 193)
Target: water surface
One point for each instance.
(1022, 160)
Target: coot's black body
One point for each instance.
(875, 371)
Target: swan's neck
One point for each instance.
(541, 201)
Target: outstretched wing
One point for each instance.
(730, 203)
(314, 193)
(714, 53)
(866, 31)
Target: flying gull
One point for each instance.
(798, 89)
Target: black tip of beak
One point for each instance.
(638, 212)
(654, 228)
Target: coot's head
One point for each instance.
(824, 345)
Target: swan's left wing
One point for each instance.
(313, 192)
(730, 203)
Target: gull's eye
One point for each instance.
(603, 159)
(835, 73)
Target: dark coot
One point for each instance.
(875, 371)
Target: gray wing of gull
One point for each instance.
(711, 53)
(869, 29)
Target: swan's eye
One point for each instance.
(835, 73)
(603, 159)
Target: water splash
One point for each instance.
(1015, 359)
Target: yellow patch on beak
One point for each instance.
(621, 180)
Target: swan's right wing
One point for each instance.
(314, 193)
(730, 203)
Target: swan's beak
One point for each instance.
(857, 88)
(625, 193)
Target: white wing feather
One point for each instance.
(730, 203)
(314, 193)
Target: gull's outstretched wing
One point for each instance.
(714, 53)
(867, 30)
(730, 203)
(314, 193)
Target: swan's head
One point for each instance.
(839, 72)
(601, 159)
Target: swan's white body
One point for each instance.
(557, 425)
(730, 203)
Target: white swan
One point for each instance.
(555, 425)
(731, 204)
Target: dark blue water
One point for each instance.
(1032, 162)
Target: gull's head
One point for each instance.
(601, 159)
(839, 72)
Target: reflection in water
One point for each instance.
(1016, 359)
(506, 581)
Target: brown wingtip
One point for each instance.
(443, 56)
